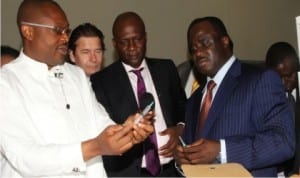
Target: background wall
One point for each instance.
(253, 24)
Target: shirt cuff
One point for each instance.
(181, 123)
(223, 154)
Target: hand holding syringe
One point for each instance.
(144, 112)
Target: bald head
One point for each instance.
(127, 17)
(44, 28)
(36, 10)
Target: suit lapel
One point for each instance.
(225, 90)
(126, 92)
(155, 74)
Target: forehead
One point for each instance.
(202, 28)
(128, 26)
(88, 41)
(50, 13)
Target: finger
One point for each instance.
(124, 140)
(130, 120)
(149, 117)
(166, 153)
(112, 129)
(198, 142)
(183, 161)
(179, 149)
(137, 138)
(192, 149)
(196, 157)
(122, 132)
(126, 147)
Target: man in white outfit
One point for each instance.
(51, 124)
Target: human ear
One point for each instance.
(225, 41)
(27, 32)
(72, 56)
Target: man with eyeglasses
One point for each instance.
(51, 123)
(241, 115)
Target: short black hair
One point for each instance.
(85, 30)
(217, 24)
(7, 50)
(278, 52)
(125, 16)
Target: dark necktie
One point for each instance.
(291, 99)
(205, 105)
(152, 159)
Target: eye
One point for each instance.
(123, 42)
(206, 42)
(61, 31)
(99, 51)
(84, 51)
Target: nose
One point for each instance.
(65, 37)
(131, 44)
(198, 53)
(93, 56)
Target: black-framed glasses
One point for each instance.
(57, 30)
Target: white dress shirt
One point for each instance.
(159, 124)
(40, 136)
(189, 84)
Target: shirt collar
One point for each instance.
(38, 68)
(128, 68)
(222, 71)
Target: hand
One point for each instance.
(180, 155)
(168, 149)
(201, 152)
(115, 140)
(143, 128)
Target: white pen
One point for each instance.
(182, 142)
(144, 112)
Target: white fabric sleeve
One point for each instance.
(22, 146)
(102, 118)
(30, 159)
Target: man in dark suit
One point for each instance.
(116, 88)
(283, 58)
(245, 116)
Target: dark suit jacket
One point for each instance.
(250, 111)
(113, 89)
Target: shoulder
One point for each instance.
(159, 60)
(160, 63)
(74, 70)
(186, 65)
(108, 73)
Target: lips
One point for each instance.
(202, 62)
(63, 49)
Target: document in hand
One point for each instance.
(215, 170)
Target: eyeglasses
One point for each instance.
(57, 30)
